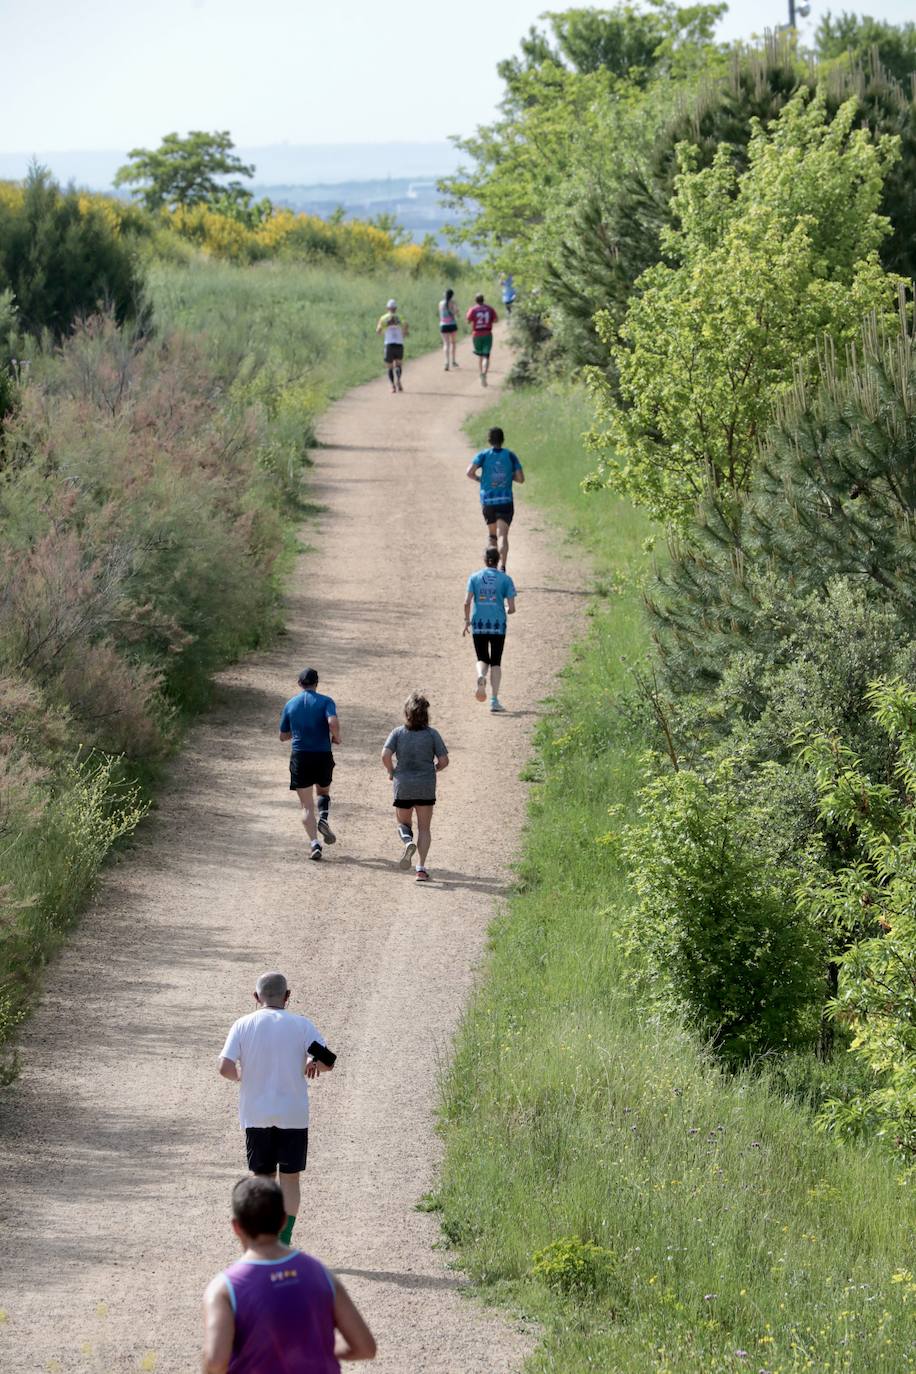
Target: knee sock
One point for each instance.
(405, 832)
(397, 371)
(391, 375)
(324, 806)
(287, 1232)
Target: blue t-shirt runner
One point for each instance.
(489, 589)
(308, 720)
(497, 467)
(306, 717)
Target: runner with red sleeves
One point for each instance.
(482, 317)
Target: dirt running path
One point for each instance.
(119, 1144)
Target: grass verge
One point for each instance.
(698, 1223)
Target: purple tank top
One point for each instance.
(284, 1316)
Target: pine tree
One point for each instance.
(833, 496)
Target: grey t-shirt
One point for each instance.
(416, 752)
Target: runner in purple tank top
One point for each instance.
(276, 1310)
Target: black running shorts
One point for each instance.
(394, 353)
(493, 513)
(405, 803)
(489, 649)
(270, 1148)
(310, 769)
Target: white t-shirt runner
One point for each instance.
(271, 1047)
(394, 327)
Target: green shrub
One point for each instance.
(715, 923)
(72, 824)
(574, 1267)
(874, 897)
(63, 257)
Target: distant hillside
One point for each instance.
(279, 164)
(414, 203)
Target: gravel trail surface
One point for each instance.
(119, 1143)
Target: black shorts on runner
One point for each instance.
(394, 353)
(489, 649)
(310, 768)
(493, 513)
(270, 1148)
(448, 329)
(406, 802)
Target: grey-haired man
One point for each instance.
(271, 1052)
(309, 721)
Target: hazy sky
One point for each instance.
(116, 73)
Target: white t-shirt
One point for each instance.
(271, 1047)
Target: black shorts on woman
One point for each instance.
(448, 329)
(394, 353)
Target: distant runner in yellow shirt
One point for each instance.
(396, 331)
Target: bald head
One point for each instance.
(271, 989)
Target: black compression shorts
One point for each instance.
(489, 649)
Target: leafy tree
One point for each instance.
(186, 171)
(894, 44)
(63, 257)
(611, 230)
(567, 98)
(763, 263)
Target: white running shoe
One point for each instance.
(410, 849)
(316, 851)
(481, 693)
(496, 706)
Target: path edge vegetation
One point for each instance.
(153, 492)
(603, 1174)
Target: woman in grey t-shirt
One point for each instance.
(420, 753)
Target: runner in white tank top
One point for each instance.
(395, 330)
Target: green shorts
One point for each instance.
(482, 344)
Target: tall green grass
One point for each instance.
(738, 1237)
(312, 328)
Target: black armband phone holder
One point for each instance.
(322, 1054)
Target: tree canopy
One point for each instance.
(186, 171)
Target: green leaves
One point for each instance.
(876, 997)
(760, 265)
(184, 171)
